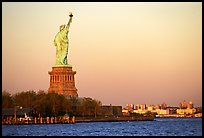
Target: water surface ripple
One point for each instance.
(159, 127)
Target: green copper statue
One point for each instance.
(62, 43)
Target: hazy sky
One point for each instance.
(122, 52)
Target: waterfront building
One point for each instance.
(162, 111)
(140, 111)
(117, 110)
(125, 112)
(130, 107)
(109, 110)
(172, 110)
(150, 108)
(143, 106)
(186, 111)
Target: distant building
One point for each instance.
(180, 105)
(130, 106)
(140, 111)
(150, 108)
(162, 111)
(172, 110)
(137, 107)
(157, 106)
(198, 109)
(190, 105)
(157, 109)
(143, 106)
(164, 106)
(184, 105)
(125, 112)
(186, 111)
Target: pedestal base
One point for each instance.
(62, 81)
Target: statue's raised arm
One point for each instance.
(70, 20)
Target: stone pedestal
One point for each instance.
(62, 81)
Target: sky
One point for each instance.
(122, 52)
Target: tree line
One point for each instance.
(51, 104)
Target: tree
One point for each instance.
(7, 100)
(25, 99)
(74, 101)
(51, 104)
(96, 105)
(40, 103)
(91, 106)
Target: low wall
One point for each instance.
(115, 119)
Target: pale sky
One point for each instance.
(122, 52)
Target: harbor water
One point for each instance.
(158, 127)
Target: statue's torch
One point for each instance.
(70, 14)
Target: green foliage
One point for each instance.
(51, 104)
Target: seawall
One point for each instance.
(114, 119)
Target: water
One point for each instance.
(159, 127)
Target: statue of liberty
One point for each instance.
(62, 43)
